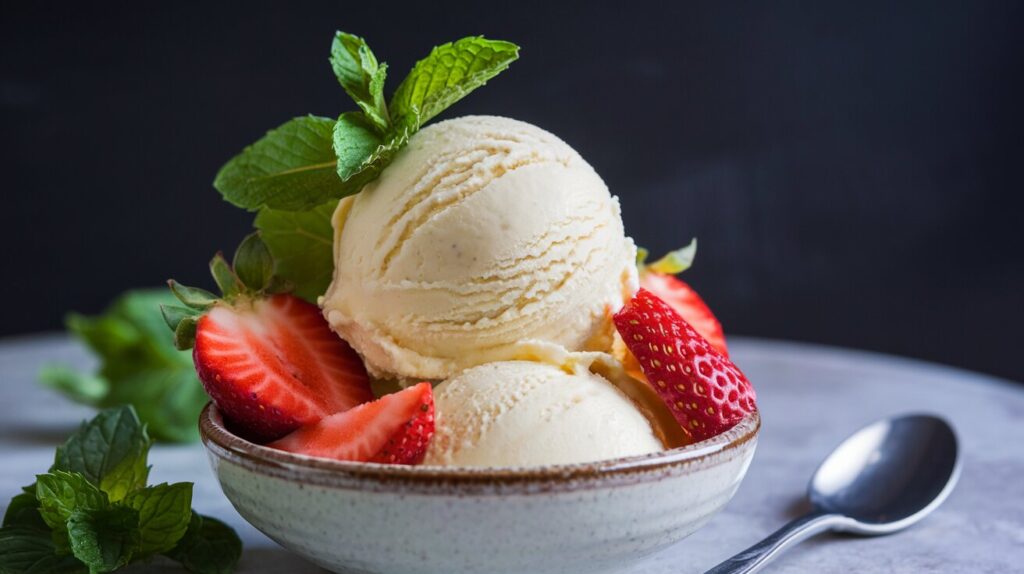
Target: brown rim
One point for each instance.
(224, 444)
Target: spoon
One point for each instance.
(882, 479)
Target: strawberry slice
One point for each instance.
(685, 301)
(267, 359)
(394, 429)
(273, 365)
(703, 389)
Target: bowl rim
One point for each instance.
(222, 443)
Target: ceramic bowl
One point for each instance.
(594, 517)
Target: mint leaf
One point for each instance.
(104, 540)
(302, 243)
(28, 551)
(79, 387)
(292, 167)
(208, 547)
(676, 261)
(444, 77)
(137, 360)
(164, 515)
(64, 523)
(169, 400)
(23, 512)
(62, 493)
(109, 451)
(362, 154)
(288, 169)
(361, 76)
(355, 145)
(130, 334)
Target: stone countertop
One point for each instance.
(810, 398)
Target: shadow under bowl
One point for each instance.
(353, 517)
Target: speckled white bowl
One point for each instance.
(372, 518)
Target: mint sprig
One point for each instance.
(138, 366)
(289, 168)
(92, 512)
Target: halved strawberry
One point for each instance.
(273, 365)
(394, 429)
(659, 278)
(685, 301)
(705, 391)
(268, 360)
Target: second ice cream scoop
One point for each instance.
(524, 413)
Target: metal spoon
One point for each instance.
(884, 478)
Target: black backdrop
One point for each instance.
(852, 170)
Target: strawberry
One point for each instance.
(394, 429)
(267, 359)
(703, 389)
(685, 301)
(659, 278)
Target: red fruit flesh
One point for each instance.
(273, 365)
(703, 389)
(685, 301)
(394, 429)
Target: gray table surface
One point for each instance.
(810, 397)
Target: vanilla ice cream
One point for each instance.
(485, 233)
(523, 413)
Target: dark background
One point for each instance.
(852, 170)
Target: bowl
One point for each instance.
(372, 518)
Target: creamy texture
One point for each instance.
(523, 413)
(485, 233)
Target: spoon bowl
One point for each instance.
(888, 475)
(882, 479)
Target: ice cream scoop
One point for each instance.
(524, 413)
(484, 234)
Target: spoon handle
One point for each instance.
(754, 558)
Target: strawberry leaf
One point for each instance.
(225, 277)
(641, 256)
(174, 315)
(252, 263)
(193, 297)
(185, 333)
(674, 261)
